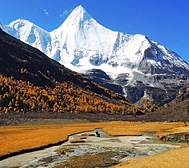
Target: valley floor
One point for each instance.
(23, 138)
(49, 118)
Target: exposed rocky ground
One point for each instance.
(176, 138)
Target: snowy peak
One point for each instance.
(81, 43)
(76, 18)
(20, 28)
(30, 34)
(79, 15)
(80, 40)
(20, 23)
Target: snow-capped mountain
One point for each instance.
(85, 46)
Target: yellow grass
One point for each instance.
(17, 138)
(177, 158)
(136, 128)
(175, 130)
(77, 141)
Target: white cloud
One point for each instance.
(65, 13)
(46, 12)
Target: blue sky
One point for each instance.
(165, 21)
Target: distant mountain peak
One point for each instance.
(20, 21)
(21, 24)
(81, 12)
(77, 17)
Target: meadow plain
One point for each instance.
(19, 139)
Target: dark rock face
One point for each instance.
(158, 88)
(163, 66)
(122, 79)
(134, 94)
(154, 94)
(100, 77)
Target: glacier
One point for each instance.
(81, 44)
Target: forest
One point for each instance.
(22, 96)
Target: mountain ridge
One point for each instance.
(81, 24)
(81, 44)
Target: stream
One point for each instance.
(126, 148)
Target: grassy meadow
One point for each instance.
(15, 139)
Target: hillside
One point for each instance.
(31, 81)
(176, 110)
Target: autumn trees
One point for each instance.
(22, 96)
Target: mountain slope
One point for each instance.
(176, 110)
(82, 45)
(27, 63)
(31, 81)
